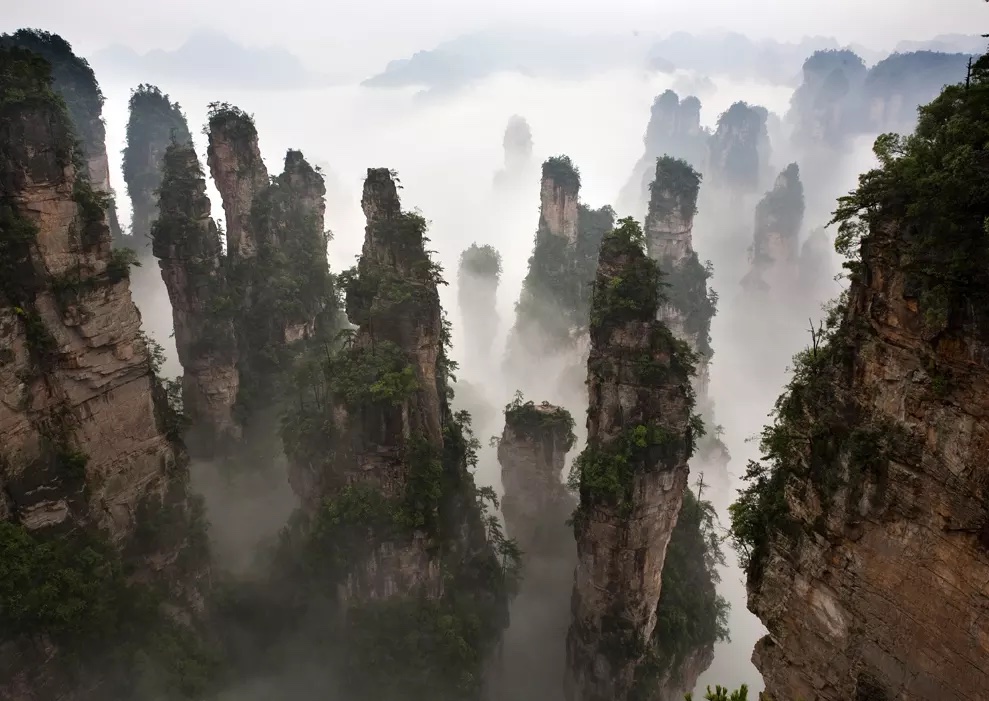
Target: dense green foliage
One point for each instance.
(549, 292)
(691, 615)
(720, 693)
(592, 226)
(480, 261)
(562, 171)
(674, 190)
(924, 211)
(933, 185)
(72, 78)
(686, 289)
(540, 421)
(628, 283)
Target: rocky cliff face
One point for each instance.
(87, 458)
(894, 87)
(187, 245)
(238, 171)
(864, 531)
(517, 143)
(688, 305)
(632, 475)
(547, 308)
(675, 130)
(776, 241)
(739, 149)
(75, 82)
(396, 525)
(154, 123)
(536, 505)
(477, 297)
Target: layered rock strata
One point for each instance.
(631, 476)
(88, 455)
(864, 531)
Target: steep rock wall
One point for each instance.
(238, 171)
(864, 531)
(531, 452)
(88, 451)
(632, 474)
(776, 241)
(187, 245)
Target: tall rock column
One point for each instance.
(187, 244)
(688, 305)
(631, 476)
(739, 149)
(531, 451)
(75, 82)
(397, 529)
(864, 531)
(776, 241)
(238, 171)
(88, 452)
(154, 123)
(477, 297)
(547, 306)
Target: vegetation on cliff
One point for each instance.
(154, 123)
(924, 212)
(691, 616)
(673, 193)
(480, 261)
(780, 213)
(350, 400)
(535, 421)
(605, 473)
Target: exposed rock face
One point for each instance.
(675, 130)
(632, 474)
(381, 465)
(826, 109)
(558, 199)
(84, 451)
(545, 314)
(776, 241)
(187, 245)
(393, 300)
(866, 530)
(238, 171)
(531, 451)
(155, 122)
(477, 297)
(739, 149)
(75, 81)
(689, 305)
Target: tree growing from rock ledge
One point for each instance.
(632, 475)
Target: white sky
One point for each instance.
(358, 31)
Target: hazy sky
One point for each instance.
(358, 32)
